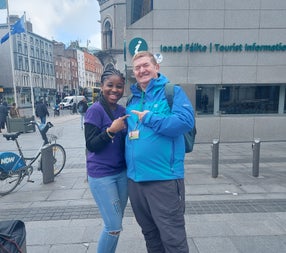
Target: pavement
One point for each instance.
(232, 213)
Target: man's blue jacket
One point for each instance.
(159, 151)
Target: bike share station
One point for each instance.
(14, 166)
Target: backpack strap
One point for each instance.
(129, 98)
(169, 93)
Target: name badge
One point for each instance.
(133, 135)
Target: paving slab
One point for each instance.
(234, 212)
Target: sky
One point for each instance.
(60, 20)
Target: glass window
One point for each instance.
(20, 63)
(37, 53)
(107, 35)
(247, 99)
(205, 99)
(139, 8)
(38, 67)
(26, 64)
(32, 52)
(47, 68)
(33, 66)
(51, 69)
(285, 102)
(25, 49)
(20, 48)
(43, 68)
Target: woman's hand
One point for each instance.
(118, 124)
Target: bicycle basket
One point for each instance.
(55, 133)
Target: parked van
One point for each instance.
(68, 101)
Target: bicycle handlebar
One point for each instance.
(39, 125)
(43, 129)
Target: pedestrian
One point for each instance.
(155, 153)
(42, 111)
(3, 115)
(14, 111)
(82, 108)
(105, 132)
(73, 108)
(56, 110)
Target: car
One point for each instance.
(68, 101)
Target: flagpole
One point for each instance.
(11, 55)
(30, 70)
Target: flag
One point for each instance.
(18, 27)
(3, 4)
(4, 38)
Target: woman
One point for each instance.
(105, 132)
(14, 111)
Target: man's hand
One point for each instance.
(140, 114)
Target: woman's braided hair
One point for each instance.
(110, 71)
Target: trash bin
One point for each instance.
(12, 236)
(47, 164)
(20, 124)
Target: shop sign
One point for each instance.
(136, 45)
(195, 47)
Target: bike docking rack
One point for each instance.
(15, 166)
(47, 160)
(255, 157)
(47, 153)
(47, 164)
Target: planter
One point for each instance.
(20, 124)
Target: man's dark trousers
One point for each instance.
(159, 208)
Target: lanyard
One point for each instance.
(140, 108)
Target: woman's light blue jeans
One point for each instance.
(110, 194)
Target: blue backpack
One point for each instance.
(188, 136)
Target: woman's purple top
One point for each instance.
(110, 160)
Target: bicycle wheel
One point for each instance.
(59, 155)
(8, 182)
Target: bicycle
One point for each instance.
(14, 167)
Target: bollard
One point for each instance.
(47, 164)
(256, 156)
(215, 156)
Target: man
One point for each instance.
(3, 115)
(82, 108)
(155, 153)
(42, 111)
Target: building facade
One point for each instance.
(63, 71)
(228, 55)
(37, 73)
(113, 20)
(76, 69)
